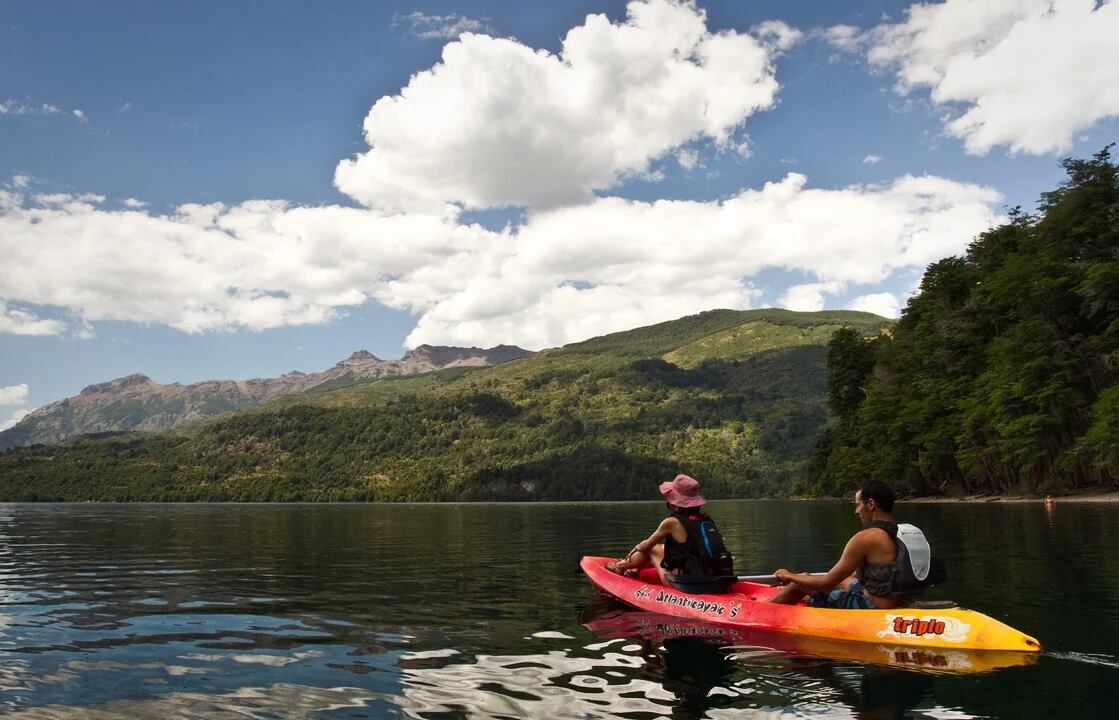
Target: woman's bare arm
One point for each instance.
(663, 530)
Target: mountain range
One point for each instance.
(737, 399)
(136, 402)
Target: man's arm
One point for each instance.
(849, 561)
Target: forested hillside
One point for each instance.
(1002, 375)
(735, 398)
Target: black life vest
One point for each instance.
(703, 553)
(914, 569)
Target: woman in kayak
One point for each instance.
(685, 543)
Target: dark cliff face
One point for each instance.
(442, 356)
(136, 402)
(504, 353)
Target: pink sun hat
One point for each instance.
(683, 491)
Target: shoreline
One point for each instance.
(1094, 497)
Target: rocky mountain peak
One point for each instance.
(118, 385)
(360, 356)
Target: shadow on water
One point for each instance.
(711, 667)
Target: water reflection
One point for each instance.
(267, 667)
(708, 668)
(265, 702)
(425, 612)
(679, 678)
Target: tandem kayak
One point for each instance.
(611, 620)
(744, 606)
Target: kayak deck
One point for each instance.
(744, 606)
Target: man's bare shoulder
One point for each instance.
(872, 536)
(874, 543)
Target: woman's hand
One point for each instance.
(783, 576)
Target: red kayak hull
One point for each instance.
(745, 606)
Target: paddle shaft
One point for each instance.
(767, 578)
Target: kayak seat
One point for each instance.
(933, 604)
(701, 584)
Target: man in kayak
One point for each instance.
(685, 543)
(864, 576)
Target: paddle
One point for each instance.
(715, 585)
(766, 578)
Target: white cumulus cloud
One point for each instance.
(575, 272)
(1026, 74)
(256, 265)
(562, 275)
(15, 321)
(808, 297)
(884, 303)
(872, 159)
(777, 35)
(496, 123)
(14, 418)
(69, 200)
(845, 37)
(13, 394)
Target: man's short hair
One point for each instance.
(878, 491)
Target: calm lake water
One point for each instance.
(449, 611)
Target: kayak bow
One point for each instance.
(744, 606)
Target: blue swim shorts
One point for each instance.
(850, 599)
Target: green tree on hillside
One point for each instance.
(1000, 375)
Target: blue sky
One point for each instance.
(235, 190)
